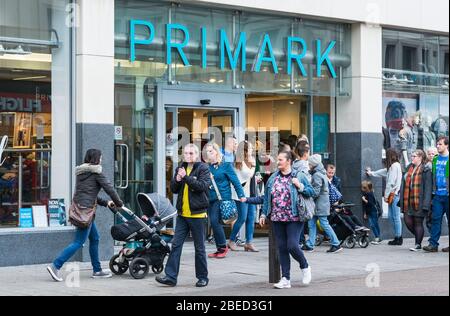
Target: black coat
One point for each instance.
(90, 180)
(199, 182)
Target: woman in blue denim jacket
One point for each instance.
(224, 176)
(280, 203)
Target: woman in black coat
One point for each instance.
(90, 180)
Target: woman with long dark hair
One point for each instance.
(393, 175)
(90, 180)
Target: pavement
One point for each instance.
(377, 270)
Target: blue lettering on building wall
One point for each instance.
(227, 55)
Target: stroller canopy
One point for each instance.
(153, 204)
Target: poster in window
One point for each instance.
(57, 212)
(321, 132)
(22, 130)
(401, 124)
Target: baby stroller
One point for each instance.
(145, 244)
(348, 236)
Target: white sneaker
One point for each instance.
(283, 284)
(307, 276)
(54, 273)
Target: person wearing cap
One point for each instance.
(322, 199)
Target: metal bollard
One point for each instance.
(274, 261)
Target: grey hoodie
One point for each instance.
(90, 180)
(321, 189)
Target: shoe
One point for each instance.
(307, 276)
(54, 273)
(202, 283)
(416, 248)
(335, 249)
(232, 246)
(213, 255)
(398, 241)
(222, 253)
(307, 249)
(211, 240)
(165, 281)
(376, 241)
(101, 275)
(445, 249)
(240, 243)
(283, 284)
(250, 248)
(430, 248)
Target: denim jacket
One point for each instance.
(308, 191)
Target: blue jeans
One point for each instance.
(216, 225)
(80, 238)
(197, 227)
(323, 220)
(439, 208)
(246, 214)
(374, 226)
(394, 216)
(287, 235)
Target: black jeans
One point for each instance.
(184, 226)
(287, 235)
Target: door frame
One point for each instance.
(189, 96)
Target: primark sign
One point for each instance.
(296, 52)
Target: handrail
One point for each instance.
(27, 150)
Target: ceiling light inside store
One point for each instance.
(212, 80)
(30, 78)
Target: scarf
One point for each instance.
(413, 182)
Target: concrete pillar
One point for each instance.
(359, 118)
(95, 98)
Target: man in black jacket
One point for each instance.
(191, 182)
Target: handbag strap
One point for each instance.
(215, 187)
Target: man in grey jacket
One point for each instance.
(322, 200)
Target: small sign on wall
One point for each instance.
(118, 133)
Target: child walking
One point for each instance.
(371, 210)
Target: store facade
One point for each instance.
(139, 78)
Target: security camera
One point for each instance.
(205, 102)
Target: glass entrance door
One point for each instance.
(193, 125)
(134, 146)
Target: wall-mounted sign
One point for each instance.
(19, 102)
(118, 133)
(296, 50)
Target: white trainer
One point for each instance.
(307, 276)
(283, 284)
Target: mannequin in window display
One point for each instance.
(428, 137)
(402, 146)
(440, 127)
(415, 126)
(22, 132)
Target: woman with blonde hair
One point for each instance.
(222, 176)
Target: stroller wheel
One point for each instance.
(363, 242)
(117, 267)
(157, 269)
(139, 268)
(350, 242)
